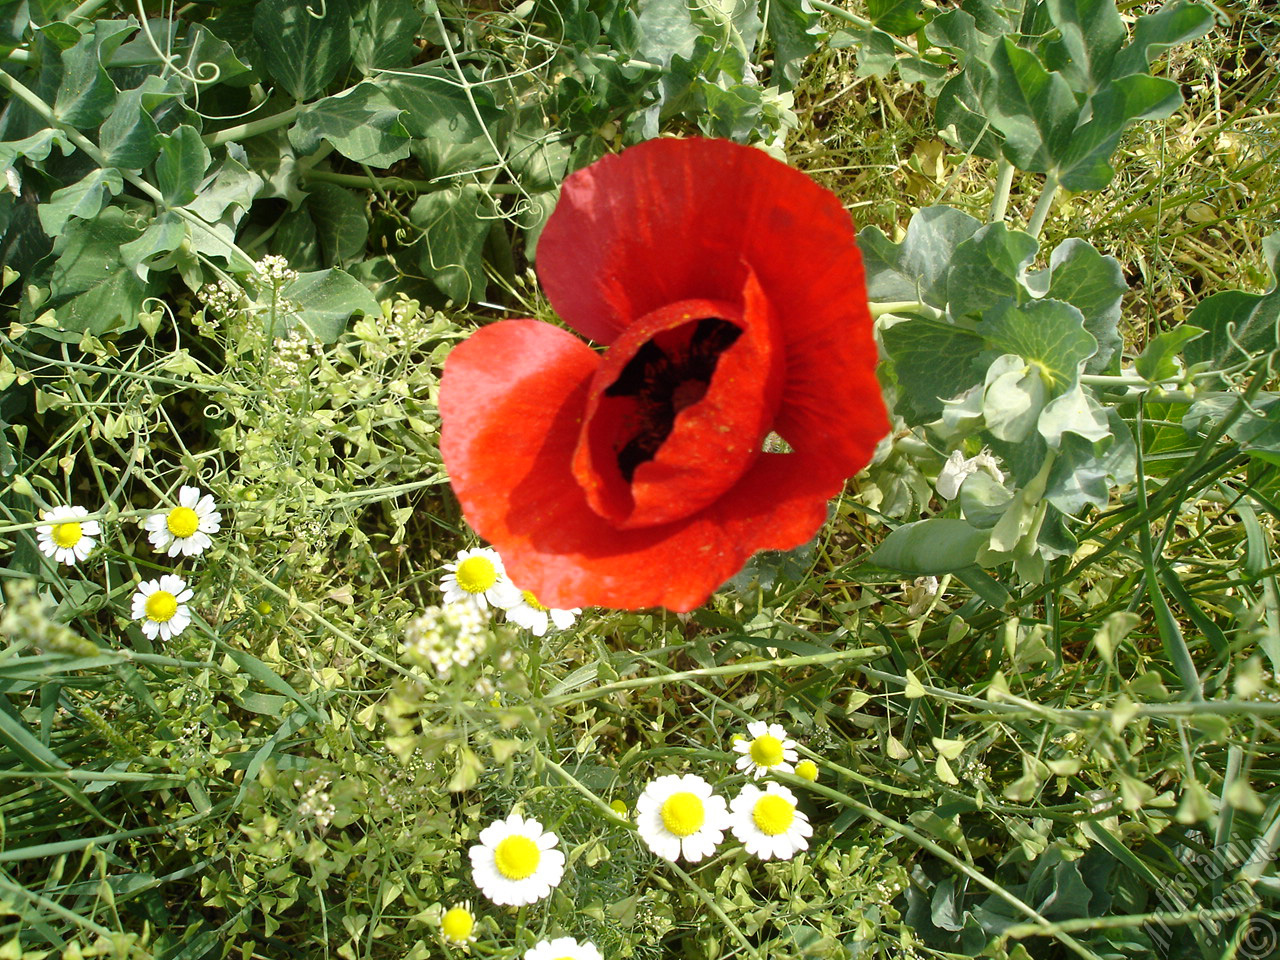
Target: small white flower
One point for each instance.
(516, 862)
(920, 595)
(185, 529)
(957, 469)
(161, 605)
(67, 537)
(679, 816)
(769, 748)
(563, 948)
(534, 617)
(767, 822)
(458, 925)
(477, 576)
(447, 637)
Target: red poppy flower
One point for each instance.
(729, 294)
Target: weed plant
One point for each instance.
(239, 243)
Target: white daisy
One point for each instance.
(768, 748)
(477, 576)
(767, 822)
(563, 948)
(679, 816)
(67, 537)
(185, 529)
(458, 925)
(516, 862)
(534, 617)
(161, 605)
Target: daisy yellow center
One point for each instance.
(532, 601)
(766, 750)
(183, 522)
(476, 574)
(773, 815)
(457, 924)
(517, 857)
(67, 534)
(683, 814)
(161, 606)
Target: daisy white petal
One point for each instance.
(536, 618)
(478, 577)
(768, 748)
(768, 823)
(516, 862)
(679, 816)
(161, 605)
(65, 535)
(563, 948)
(186, 528)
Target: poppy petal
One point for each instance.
(678, 409)
(512, 400)
(666, 220)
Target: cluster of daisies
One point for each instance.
(474, 585)
(679, 817)
(478, 578)
(68, 536)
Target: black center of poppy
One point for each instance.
(668, 373)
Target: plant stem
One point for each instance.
(1041, 212)
(1000, 202)
(1043, 925)
(391, 183)
(242, 131)
(728, 670)
(909, 306)
(858, 21)
(90, 150)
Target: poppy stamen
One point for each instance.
(664, 378)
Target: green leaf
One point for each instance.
(1014, 394)
(1239, 324)
(1084, 163)
(1085, 471)
(917, 267)
(181, 165)
(1048, 333)
(900, 17)
(960, 114)
(163, 236)
(456, 223)
(362, 124)
(1092, 283)
(83, 199)
(667, 30)
(796, 31)
(447, 135)
(932, 361)
(92, 289)
(326, 300)
(930, 547)
(1156, 363)
(85, 92)
(1156, 32)
(876, 53)
(1034, 109)
(342, 225)
(382, 33)
(129, 137)
(986, 268)
(1073, 412)
(1090, 34)
(304, 44)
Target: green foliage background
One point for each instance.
(1064, 748)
